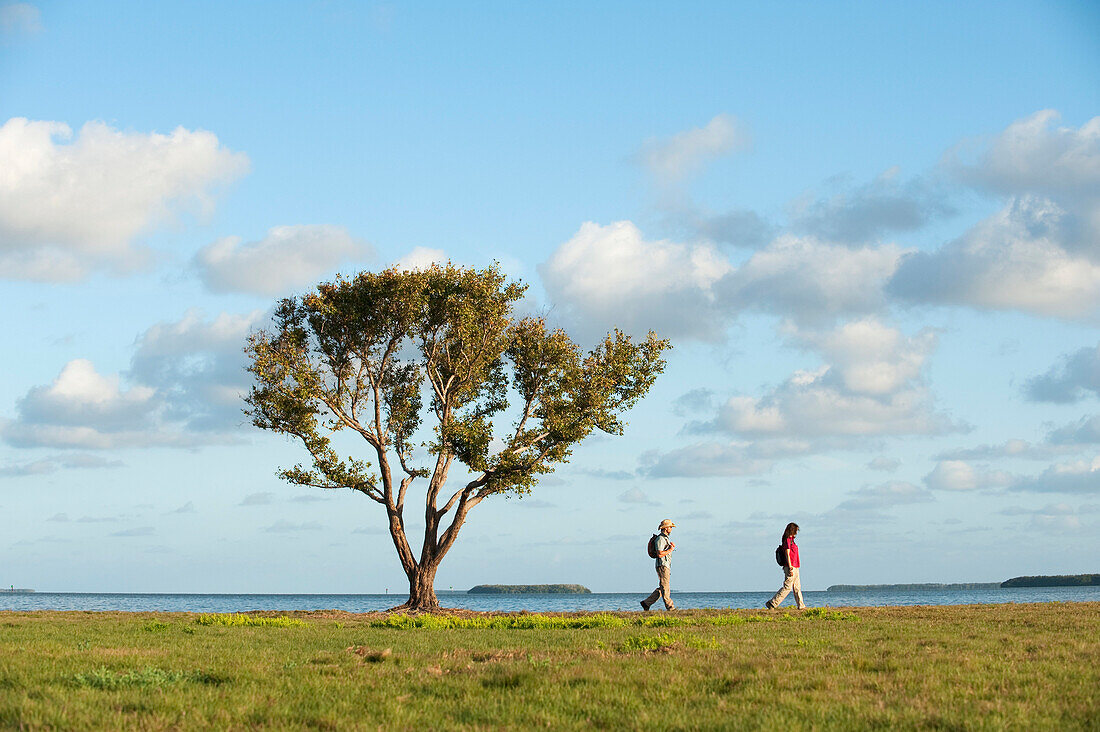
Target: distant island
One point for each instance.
(529, 590)
(919, 586)
(1056, 580)
(16, 590)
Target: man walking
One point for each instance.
(663, 547)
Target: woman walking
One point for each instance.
(791, 580)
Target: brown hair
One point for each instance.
(790, 531)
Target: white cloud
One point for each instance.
(868, 212)
(198, 367)
(610, 276)
(1085, 431)
(869, 357)
(959, 475)
(19, 18)
(1079, 476)
(672, 159)
(884, 464)
(68, 208)
(1040, 253)
(637, 497)
(1016, 259)
(1032, 155)
(811, 281)
(186, 380)
(1076, 377)
(421, 258)
(288, 258)
(871, 387)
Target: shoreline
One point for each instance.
(467, 612)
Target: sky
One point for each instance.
(870, 230)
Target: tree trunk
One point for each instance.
(422, 589)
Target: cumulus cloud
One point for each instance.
(1073, 477)
(637, 497)
(1085, 431)
(959, 475)
(670, 160)
(1033, 155)
(739, 228)
(612, 275)
(871, 211)
(419, 258)
(197, 366)
(81, 408)
(19, 19)
(70, 207)
(1041, 252)
(885, 464)
(871, 385)
(608, 276)
(184, 389)
(1014, 260)
(1076, 377)
(811, 281)
(287, 258)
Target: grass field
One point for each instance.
(1021, 667)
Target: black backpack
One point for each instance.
(651, 547)
(781, 555)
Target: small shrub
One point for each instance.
(156, 626)
(240, 620)
(104, 678)
(648, 642)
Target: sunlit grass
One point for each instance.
(241, 620)
(967, 667)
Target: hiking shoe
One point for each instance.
(768, 605)
(644, 606)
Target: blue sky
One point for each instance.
(871, 230)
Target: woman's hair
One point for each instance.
(791, 530)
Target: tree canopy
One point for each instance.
(380, 353)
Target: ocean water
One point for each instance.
(214, 603)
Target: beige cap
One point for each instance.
(667, 523)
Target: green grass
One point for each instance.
(252, 621)
(967, 668)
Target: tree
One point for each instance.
(376, 353)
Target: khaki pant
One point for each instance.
(662, 591)
(791, 581)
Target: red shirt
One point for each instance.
(792, 549)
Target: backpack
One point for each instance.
(651, 547)
(781, 555)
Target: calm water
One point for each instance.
(533, 603)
